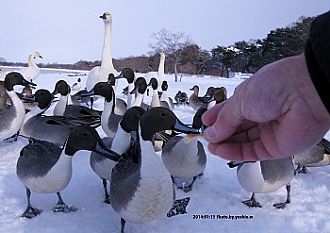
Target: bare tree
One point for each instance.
(172, 44)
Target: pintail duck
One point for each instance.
(119, 144)
(164, 96)
(54, 129)
(184, 156)
(12, 116)
(264, 177)
(44, 167)
(65, 106)
(316, 156)
(141, 187)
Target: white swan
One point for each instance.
(101, 73)
(160, 74)
(32, 71)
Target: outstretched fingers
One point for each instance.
(223, 121)
(248, 151)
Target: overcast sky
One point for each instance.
(65, 31)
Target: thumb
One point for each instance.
(228, 120)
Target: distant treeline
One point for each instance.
(242, 56)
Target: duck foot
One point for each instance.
(12, 138)
(186, 189)
(106, 196)
(179, 207)
(252, 203)
(63, 208)
(181, 183)
(303, 170)
(281, 205)
(31, 212)
(300, 170)
(107, 201)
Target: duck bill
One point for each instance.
(119, 76)
(233, 164)
(133, 91)
(55, 92)
(105, 152)
(31, 98)
(209, 99)
(28, 83)
(87, 93)
(179, 126)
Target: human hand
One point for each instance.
(275, 113)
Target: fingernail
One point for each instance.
(210, 134)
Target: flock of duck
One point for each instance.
(141, 182)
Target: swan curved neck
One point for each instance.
(161, 67)
(106, 53)
(31, 62)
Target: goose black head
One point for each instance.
(140, 86)
(61, 87)
(14, 78)
(42, 97)
(153, 83)
(127, 73)
(159, 119)
(87, 138)
(131, 118)
(164, 86)
(103, 89)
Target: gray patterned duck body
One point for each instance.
(44, 167)
(141, 187)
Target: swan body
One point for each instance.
(32, 71)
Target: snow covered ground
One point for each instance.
(217, 193)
